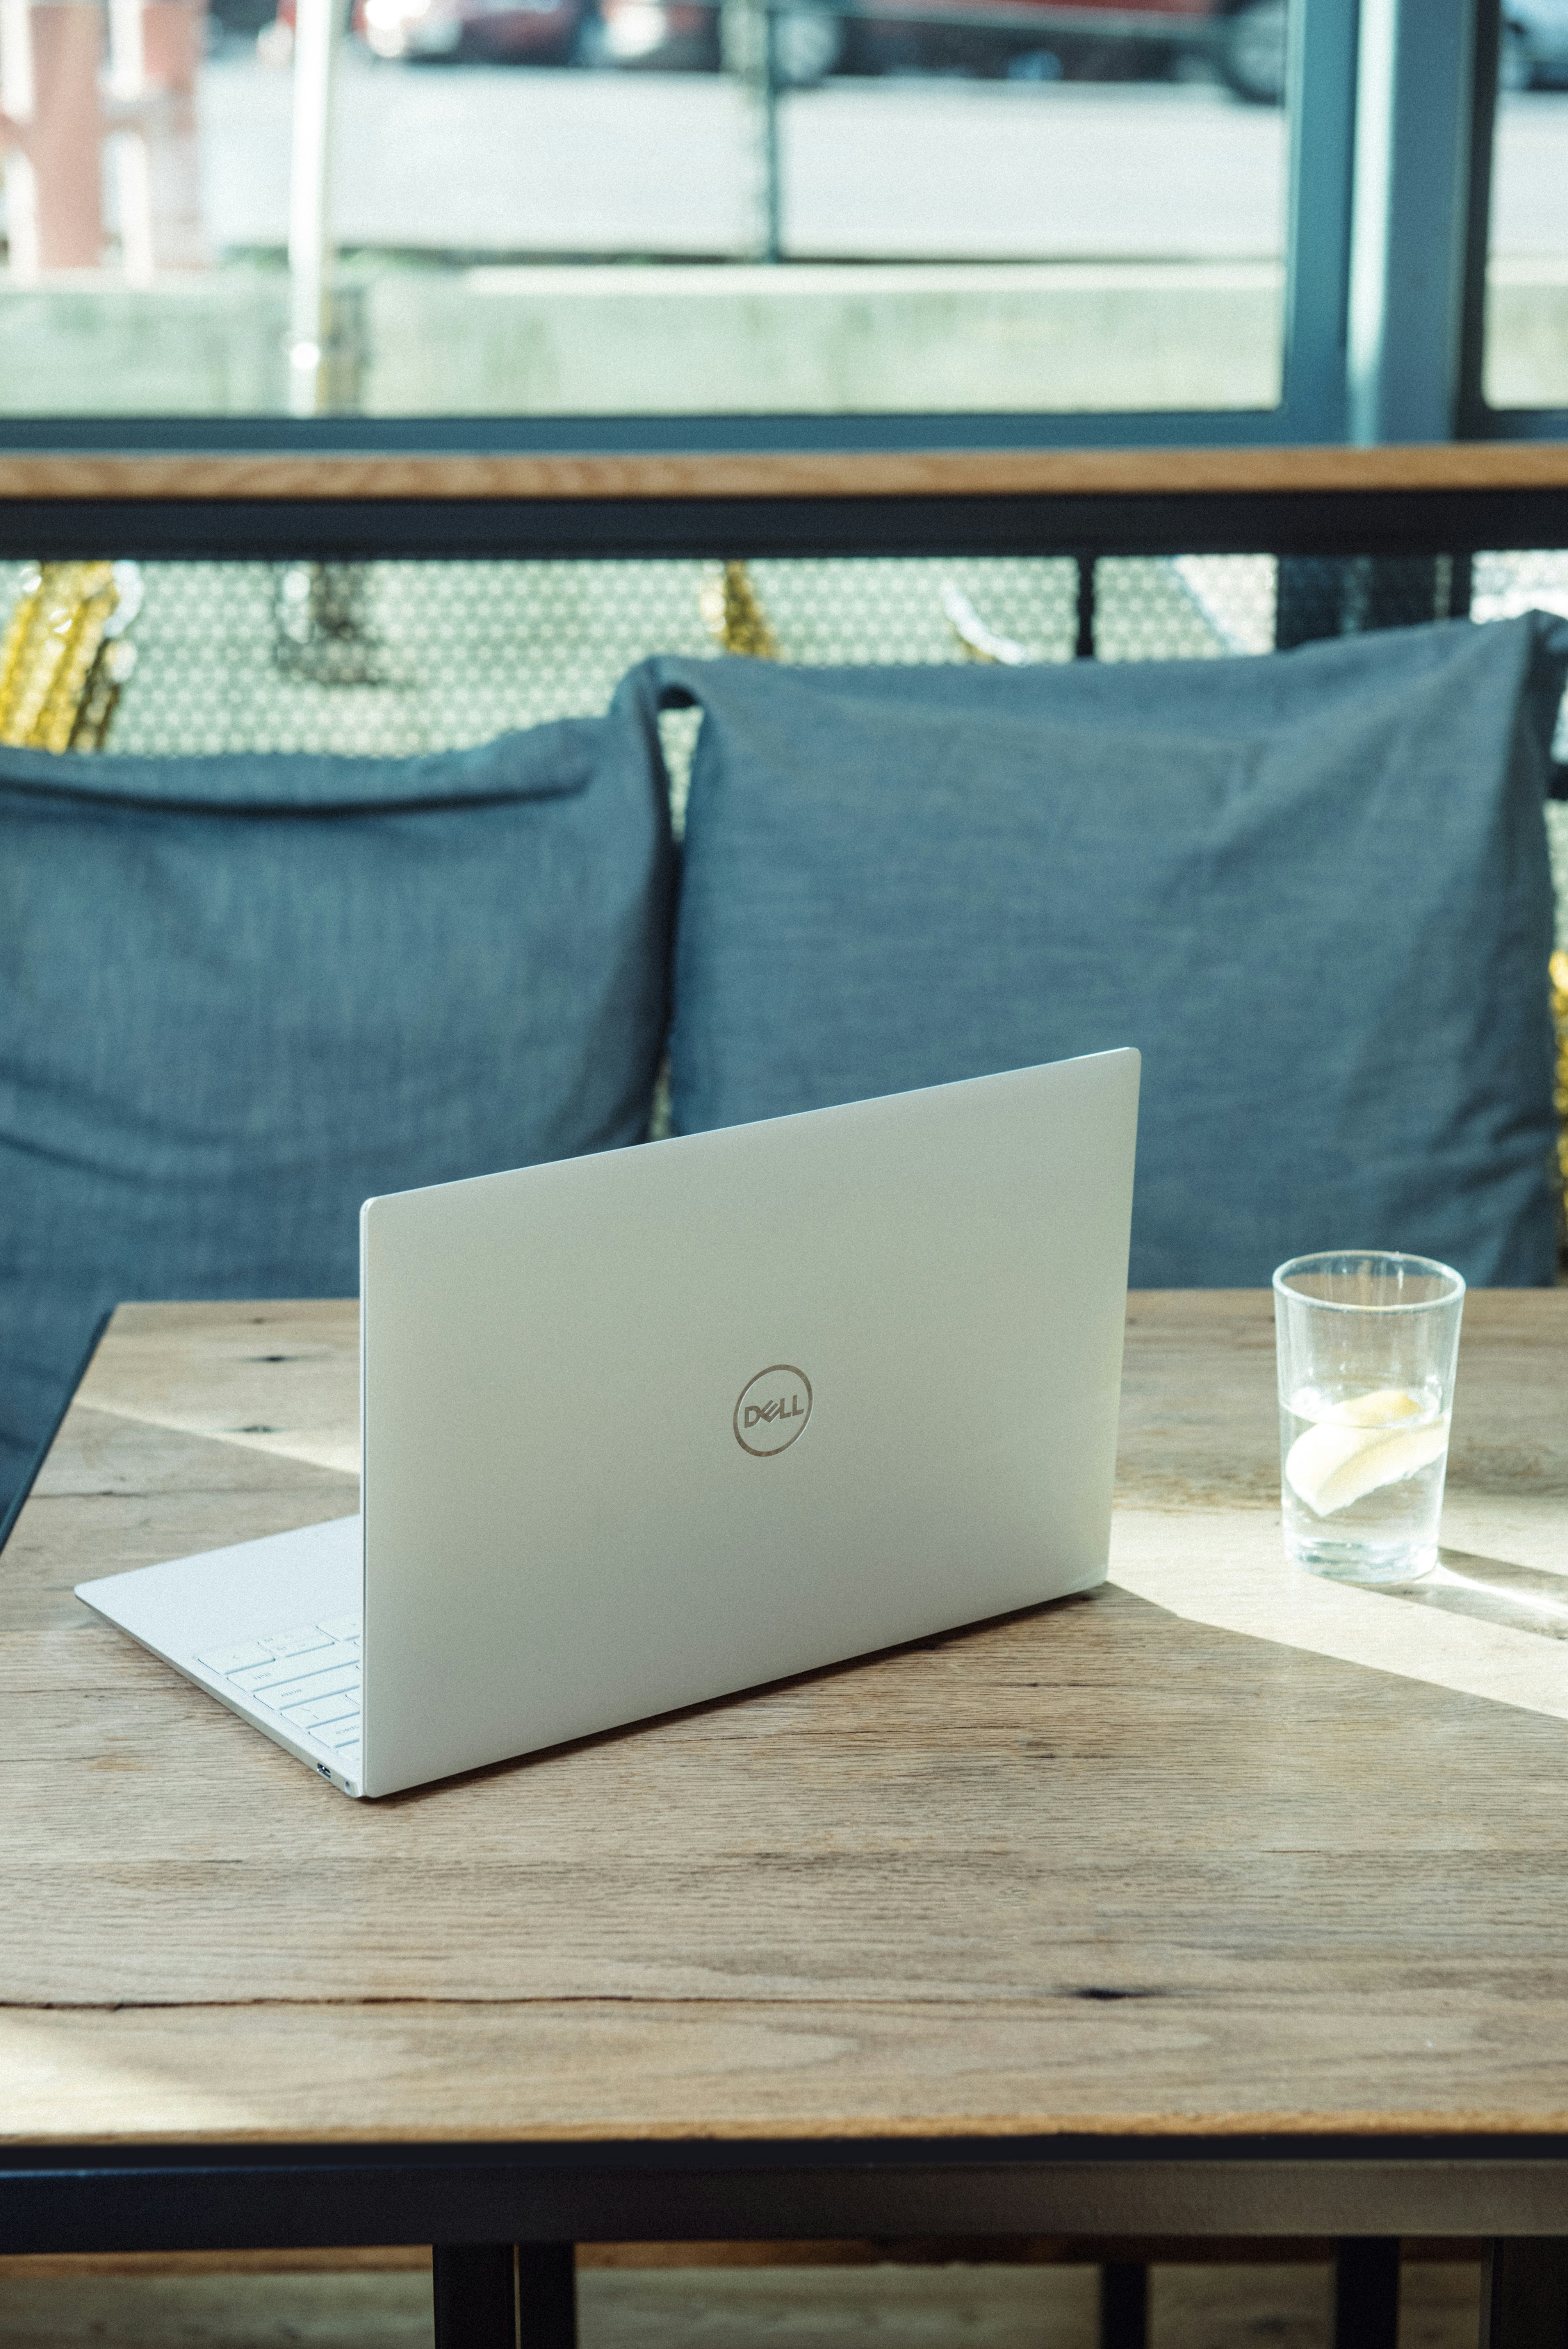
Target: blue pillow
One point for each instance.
(1311, 888)
(238, 995)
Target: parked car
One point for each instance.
(495, 31)
(1097, 39)
(685, 36)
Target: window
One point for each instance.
(602, 208)
(851, 224)
(1526, 364)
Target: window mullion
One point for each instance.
(1410, 218)
(1322, 171)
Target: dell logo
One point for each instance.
(773, 1409)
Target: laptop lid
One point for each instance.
(649, 1427)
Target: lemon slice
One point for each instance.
(1386, 1408)
(1360, 1445)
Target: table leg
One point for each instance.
(547, 2295)
(1366, 2292)
(1123, 2304)
(1524, 2293)
(475, 2292)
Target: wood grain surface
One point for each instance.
(1009, 473)
(1114, 1865)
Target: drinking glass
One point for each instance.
(1365, 1344)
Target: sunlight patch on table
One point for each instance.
(1230, 1571)
(61, 2082)
(217, 1382)
(318, 1448)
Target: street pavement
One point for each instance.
(487, 160)
(484, 160)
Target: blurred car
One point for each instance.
(495, 31)
(685, 36)
(520, 32)
(1041, 39)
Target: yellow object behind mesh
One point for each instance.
(734, 616)
(58, 674)
(1559, 978)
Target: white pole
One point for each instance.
(127, 50)
(132, 168)
(129, 158)
(317, 33)
(23, 227)
(18, 102)
(18, 90)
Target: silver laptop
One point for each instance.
(646, 1428)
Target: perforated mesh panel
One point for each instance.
(393, 658)
(389, 658)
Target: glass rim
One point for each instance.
(1426, 1264)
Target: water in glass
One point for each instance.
(1362, 1476)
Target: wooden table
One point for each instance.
(1221, 1901)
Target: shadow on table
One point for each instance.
(1525, 1598)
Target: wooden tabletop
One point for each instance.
(1220, 1848)
(648, 475)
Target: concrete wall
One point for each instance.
(804, 339)
(823, 339)
(1527, 333)
(89, 346)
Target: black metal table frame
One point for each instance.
(503, 2218)
(1386, 522)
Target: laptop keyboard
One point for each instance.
(309, 1677)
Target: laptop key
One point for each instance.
(254, 1678)
(343, 1737)
(233, 1659)
(321, 1710)
(301, 1642)
(283, 1694)
(341, 1626)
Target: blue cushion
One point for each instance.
(239, 995)
(1313, 888)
